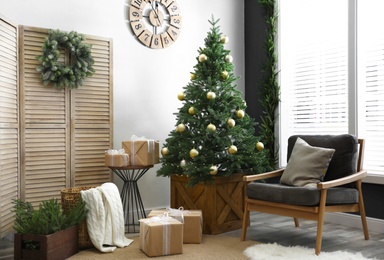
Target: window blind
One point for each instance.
(314, 68)
(371, 83)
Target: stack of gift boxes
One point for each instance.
(135, 152)
(165, 231)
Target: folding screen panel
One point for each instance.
(9, 124)
(64, 133)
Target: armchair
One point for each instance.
(324, 174)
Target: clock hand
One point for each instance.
(155, 11)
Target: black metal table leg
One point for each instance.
(130, 195)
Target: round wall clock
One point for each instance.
(155, 23)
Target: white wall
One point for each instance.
(145, 81)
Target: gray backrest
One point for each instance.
(344, 160)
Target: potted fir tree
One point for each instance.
(46, 232)
(214, 141)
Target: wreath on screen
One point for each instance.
(57, 72)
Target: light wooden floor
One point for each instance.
(267, 228)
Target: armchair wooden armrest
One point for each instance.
(348, 179)
(266, 175)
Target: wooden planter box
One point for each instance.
(56, 246)
(221, 202)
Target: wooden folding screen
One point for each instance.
(64, 133)
(9, 124)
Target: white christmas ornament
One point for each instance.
(182, 163)
(228, 58)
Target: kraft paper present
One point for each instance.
(161, 236)
(116, 158)
(193, 223)
(142, 152)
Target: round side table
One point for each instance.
(130, 195)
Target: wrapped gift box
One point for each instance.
(161, 236)
(192, 219)
(116, 158)
(142, 152)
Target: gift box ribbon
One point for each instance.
(118, 152)
(150, 145)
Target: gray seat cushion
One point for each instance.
(305, 196)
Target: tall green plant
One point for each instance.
(270, 86)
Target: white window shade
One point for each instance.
(371, 83)
(314, 68)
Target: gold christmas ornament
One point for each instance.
(259, 146)
(203, 57)
(192, 76)
(211, 95)
(213, 170)
(228, 58)
(232, 149)
(193, 153)
(211, 127)
(191, 111)
(224, 74)
(164, 151)
(181, 96)
(231, 123)
(224, 39)
(240, 113)
(180, 128)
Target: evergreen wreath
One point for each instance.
(61, 75)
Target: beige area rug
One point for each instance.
(213, 247)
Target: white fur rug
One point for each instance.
(277, 252)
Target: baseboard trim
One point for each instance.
(350, 220)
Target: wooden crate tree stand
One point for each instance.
(221, 202)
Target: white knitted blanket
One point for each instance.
(105, 218)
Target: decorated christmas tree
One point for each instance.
(213, 135)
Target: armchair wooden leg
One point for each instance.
(296, 220)
(362, 211)
(320, 221)
(245, 222)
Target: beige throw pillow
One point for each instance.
(307, 164)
